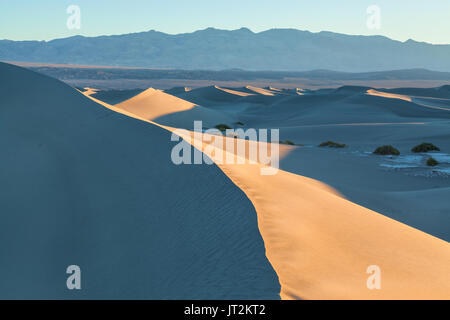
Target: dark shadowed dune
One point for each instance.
(82, 185)
(208, 95)
(116, 96)
(442, 92)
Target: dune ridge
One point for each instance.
(321, 244)
(265, 92)
(167, 109)
(85, 185)
(323, 250)
(421, 101)
(235, 92)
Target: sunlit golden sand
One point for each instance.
(238, 93)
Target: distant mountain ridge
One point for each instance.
(111, 73)
(214, 49)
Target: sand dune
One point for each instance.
(85, 185)
(349, 106)
(327, 243)
(265, 92)
(274, 89)
(221, 97)
(89, 91)
(206, 95)
(421, 101)
(442, 92)
(169, 110)
(373, 92)
(321, 244)
(242, 93)
(112, 97)
(102, 184)
(177, 90)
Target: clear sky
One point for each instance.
(400, 19)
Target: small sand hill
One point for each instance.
(296, 91)
(442, 92)
(423, 101)
(113, 96)
(211, 94)
(294, 110)
(214, 96)
(265, 92)
(273, 89)
(169, 110)
(237, 91)
(445, 90)
(342, 106)
(84, 185)
(349, 90)
(372, 92)
(281, 91)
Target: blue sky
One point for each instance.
(400, 19)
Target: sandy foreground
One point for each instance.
(319, 243)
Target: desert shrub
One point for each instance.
(431, 162)
(289, 142)
(386, 150)
(222, 127)
(425, 147)
(332, 144)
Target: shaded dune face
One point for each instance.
(116, 96)
(83, 185)
(214, 96)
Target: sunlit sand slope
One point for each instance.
(169, 110)
(321, 245)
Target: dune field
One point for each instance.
(85, 185)
(327, 241)
(101, 191)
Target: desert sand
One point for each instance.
(428, 102)
(166, 109)
(320, 244)
(222, 231)
(241, 93)
(85, 185)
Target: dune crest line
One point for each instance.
(321, 244)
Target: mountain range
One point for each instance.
(214, 49)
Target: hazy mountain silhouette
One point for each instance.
(275, 49)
